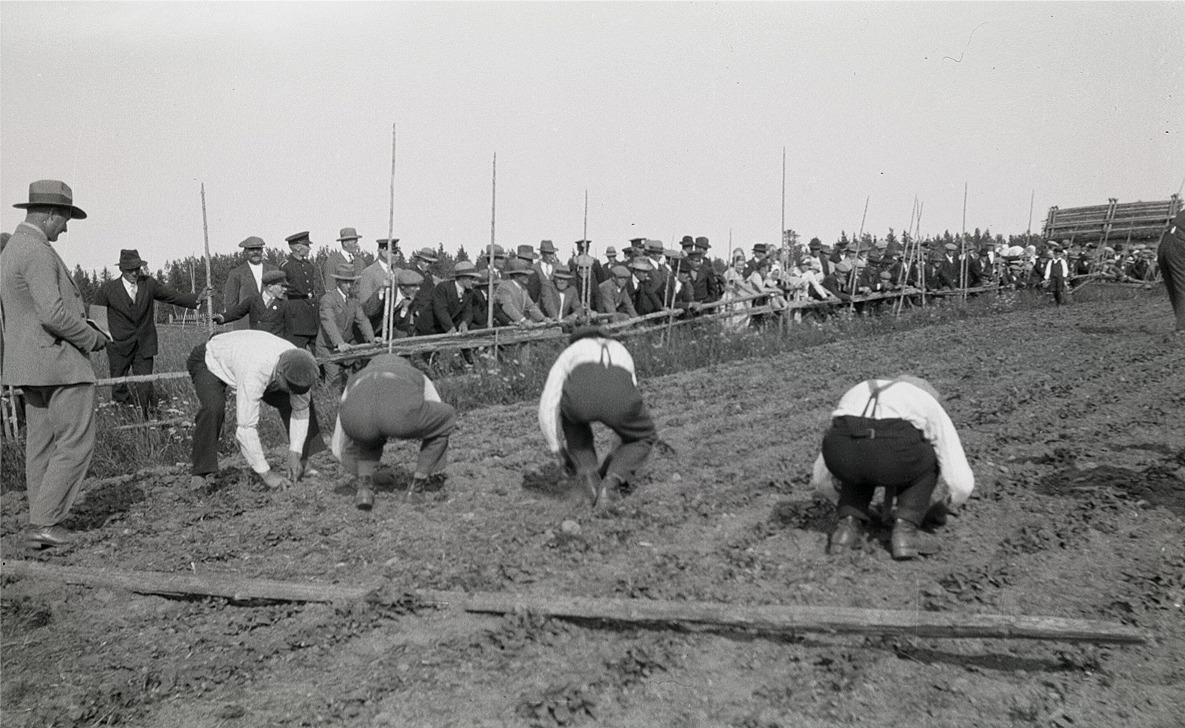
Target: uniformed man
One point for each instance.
(304, 291)
(892, 433)
(392, 400)
(593, 380)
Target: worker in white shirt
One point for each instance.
(892, 434)
(260, 367)
(593, 380)
(391, 400)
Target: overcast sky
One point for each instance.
(672, 115)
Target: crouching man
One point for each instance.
(892, 434)
(391, 399)
(593, 380)
(260, 367)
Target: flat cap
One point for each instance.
(465, 268)
(344, 272)
(620, 271)
(251, 242)
(275, 276)
(404, 277)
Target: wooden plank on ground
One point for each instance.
(770, 619)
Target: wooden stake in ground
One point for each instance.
(856, 260)
(209, 283)
(765, 620)
(389, 294)
(963, 248)
(490, 253)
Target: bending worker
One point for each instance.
(391, 399)
(892, 433)
(593, 380)
(260, 367)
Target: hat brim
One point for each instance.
(345, 278)
(76, 213)
(128, 266)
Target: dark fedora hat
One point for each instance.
(760, 248)
(526, 252)
(546, 246)
(54, 194)
(687, 241)
(348, 234)
(702, 242)
(518, 267)
(130, 260)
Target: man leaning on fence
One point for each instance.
(46, 342)
(131, 318)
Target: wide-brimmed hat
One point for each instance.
(653, 246)
(526, 252)
(251, 242)
(426, 254)
(345, 272)
(301, 238)
(130, 260)
(518, 266)
(54, 194)
(348, 234)
(562, 275)
(610, 251)
(275, 276)
(465, 268)
(546, 246)
(815, 244)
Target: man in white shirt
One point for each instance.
(260, 367)
(892, 434)
(593, 380)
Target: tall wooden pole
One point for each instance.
(209, 284)
(963, 247)
(490, 252)
(585, 292)
(782, 234)
(856, 260)
(389, 303)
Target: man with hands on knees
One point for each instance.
(260, 367)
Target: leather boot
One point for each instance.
(364, 495)
(908, 542)
(846, 535)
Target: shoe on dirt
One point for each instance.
(907, 542)
(846, 535)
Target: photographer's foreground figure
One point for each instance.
(593, 380)
(892, 434)
(391, 400)
(260, 367)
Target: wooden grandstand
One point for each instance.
(1125, 223)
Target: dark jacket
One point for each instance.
(133, 323)
(449, 310)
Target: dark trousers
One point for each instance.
(1057, 285)
(866, 454)
(120, 364)
(211, 394)
(605, 394)
(1170, 256)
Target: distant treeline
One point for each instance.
(187, 274)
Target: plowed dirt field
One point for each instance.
(1073, 420)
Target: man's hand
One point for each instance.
(293, 466)
(272, 479)
(100, 342)
(219, 319)
(343, 347)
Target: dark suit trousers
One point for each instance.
(1170, 256)
(120, 364)
(605, 394)
(866, 454)
(211, 394)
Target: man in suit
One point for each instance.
(949, 272)
(131, 317)
(246, 281)
(539, 285)
(567, 308)
(269, 310)
(1170, 256)
(1056, 273)
(304, 290)
(616, 301)
(584, 270)
(374, 282)
(512, 303)
(45, 343)
(340, 312)
(452, 301)
(646, 298)
(351, 254)
(421, 305)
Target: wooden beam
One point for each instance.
(770, 619)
